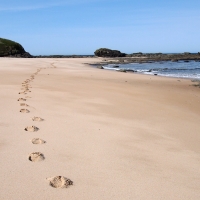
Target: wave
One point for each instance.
(171, 69)
(163, 69)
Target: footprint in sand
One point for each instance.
(25, 83)
(21, 99)
(27, 90)
(24, 87)
(38, 119)
(23, 104)
(24, 111)
(31, 128)
(59, 182)
(22, 92)
(36, 156)
(37, 141)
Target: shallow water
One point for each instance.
(179, 69)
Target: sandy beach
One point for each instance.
(114, 135)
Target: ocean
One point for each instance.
(180, 69)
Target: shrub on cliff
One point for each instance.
(11, 48)
(104, 52)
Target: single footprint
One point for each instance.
(36, 156)
(39, 119)
(31, 128)
(24, 111)
(21, 99)
(37, 141)
(23, 104)
(59, 182)
(22, 92)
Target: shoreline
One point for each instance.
(99, 65)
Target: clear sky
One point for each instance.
(82, 26)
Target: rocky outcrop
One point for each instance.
(121, 70)
(104, 52)
(9, 48)
(100, 67)
(174, 60)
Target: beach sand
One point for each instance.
(115, 135)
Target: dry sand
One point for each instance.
(114, 135)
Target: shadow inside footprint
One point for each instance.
(59, 182)
(23, 104)
(37, 141)
(24, 111)
(21, 99)
(22, 93)
(39, 119)
(36, 156)
(31, 128)
(27, 90)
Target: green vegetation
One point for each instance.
(104, 52)
(9, 47)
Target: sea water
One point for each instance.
(180, 69)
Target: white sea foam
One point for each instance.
(170, 69)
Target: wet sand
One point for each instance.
(114, 135)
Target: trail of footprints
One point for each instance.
(57, 181)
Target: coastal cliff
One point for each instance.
(9, 48)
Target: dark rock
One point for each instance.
(155, 74)
(131, 70)
(100, 67)
(122, 70)
(139, 54)
(174, 60)
(104, 52)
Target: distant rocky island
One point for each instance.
(9, 48)
(104, 52)
(118, 57)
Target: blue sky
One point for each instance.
(82, 26)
